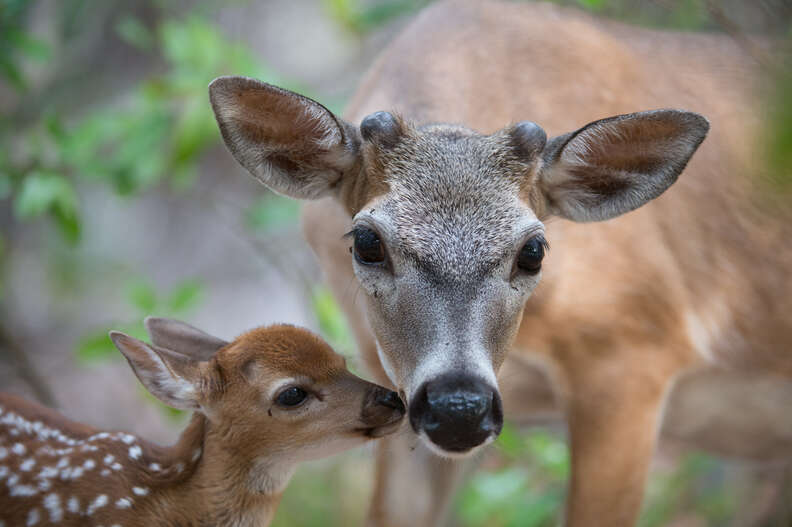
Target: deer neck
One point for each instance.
(226, 485)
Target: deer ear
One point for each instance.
(171, 377)
(615, 165)
(182, 338)
(292, 144)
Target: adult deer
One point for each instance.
(273, 397)
(449, 230)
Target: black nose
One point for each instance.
(457, 411)
(390, 399)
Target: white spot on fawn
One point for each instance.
(155, 467)
(18, 449)
(105, 472)
(140, 491)
(134, 452)
(73, 505)
(89, 464)
(27, 465)
(128, 439)
(99, 502)
(124, 503)
(108, 459)
(33, 517)
(3, 452)
(116, 466)
(21, 490)
(52, 504)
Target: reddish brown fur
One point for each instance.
(229, 467)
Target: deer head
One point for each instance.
(277, 395)
(447, 224)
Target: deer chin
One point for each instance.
(375, 432)
(450, 454)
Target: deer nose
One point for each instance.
(457, 412)
(389, 399)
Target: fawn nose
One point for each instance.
(390, 399)
(457, 412)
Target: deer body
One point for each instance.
(690, 290)
(223, 470)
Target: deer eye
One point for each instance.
(368, 247)
(531, 255)
(291, 397)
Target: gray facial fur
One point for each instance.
(452, 224)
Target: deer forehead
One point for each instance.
(277, 352)
(456, 200)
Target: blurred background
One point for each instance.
(118, 200)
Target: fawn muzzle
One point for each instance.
(382, 412)
(457, 412)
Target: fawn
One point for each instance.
(273, 397)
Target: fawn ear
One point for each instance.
(182, 338)
(615, 165)
(292, 144)
(171, 377)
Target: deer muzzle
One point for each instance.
(457, 412)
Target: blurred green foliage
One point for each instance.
(698, 483)
(271, 212)
(779, 133)
(361, 17)
(145, 300)
(16, 44)
(157, 131)
(525, 487)
(332, 321)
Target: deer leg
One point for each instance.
(413, 487)
(614, 415)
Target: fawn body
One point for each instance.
(637, 320)
(269, 399)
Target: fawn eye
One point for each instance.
(291, 397)
(531, 255)
(368, 247)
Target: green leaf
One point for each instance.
(143, 296)
(96, 346)
(332, 322)
(594, 5)
(185, 297)
(68, 223)
(510, 442)
(133, 32)
(12, 73)
(30, 46)
(46, 192)
(272, 212)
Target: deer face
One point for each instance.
(278, 392)
(447, 236)
(287, 390)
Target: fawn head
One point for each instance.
(277, 392)
(447, 224)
